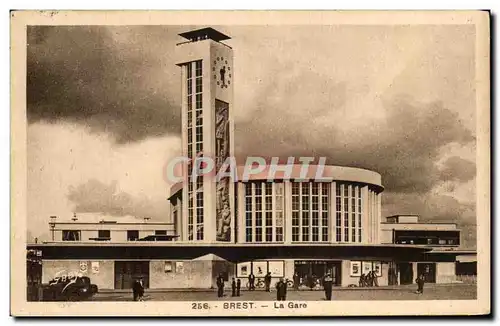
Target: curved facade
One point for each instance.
(342, 208)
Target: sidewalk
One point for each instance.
(374, 288)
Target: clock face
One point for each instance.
(222, 73)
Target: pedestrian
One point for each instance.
(220, 286)
(311, 281)
(296, 281)
(281, 290)
(267, 281)
(327, 285)
(135, 289)
(375, 280)
(369, 279)
(238, 287)
(251, 282)
(138, 289)
(420, 284)
(362, 280)
(233, 287)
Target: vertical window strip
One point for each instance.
(248, 212)
(345, 199)
(360, 209)
(338, 212)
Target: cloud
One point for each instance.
(96, 196)
(117, 80)
(71, 169)
(403, 146)
(458, 169)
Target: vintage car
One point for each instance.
(69, 288)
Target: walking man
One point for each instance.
(374, 277)
(362, 280)
(267, 281)
(327, 285)
(138, 290)
(281, 290)
(233, 288)
(251, 282)
(420, 283)
(220, 286)
(296, 281)
(238, 287)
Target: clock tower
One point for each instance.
(207, 131)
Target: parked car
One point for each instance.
(76, 288)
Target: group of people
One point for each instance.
(281, 287)
(369, 279)
(310, 281)
(138, 289)
(267, 282)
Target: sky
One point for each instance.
(103, 107)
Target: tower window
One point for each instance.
(198, 68)
(199, 85)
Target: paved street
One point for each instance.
(431, 292)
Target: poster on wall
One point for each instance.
(179, 267)
(95, 267)
(355, 268)
(259, 268)
(277, 268)
(168, 267)
(243, 270)
(83, 267)
(367, 267)
(377, 267)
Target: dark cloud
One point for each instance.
(87, 75)
(97, 197)
(403, 149)
(458, 169)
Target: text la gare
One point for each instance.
(290, 305)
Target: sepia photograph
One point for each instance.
(250, 163)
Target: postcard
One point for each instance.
(250, 163)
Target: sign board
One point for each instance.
(95, 267)
(168, 267)
(83, 267)
(367, 267)
(260, 268)
(277, 268)
(243, 269)
(179, 267)
(377, 267)
(355, 268)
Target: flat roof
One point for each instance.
(215, 244)
(177, 250)
(208, 31)
(328, 173)
(423, 223)
(114, 223)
